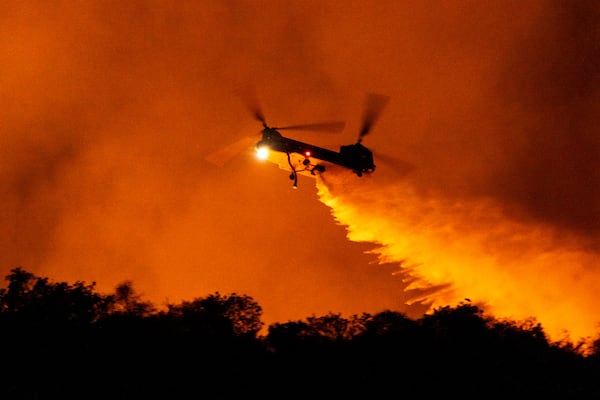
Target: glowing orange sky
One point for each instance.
(110, 109)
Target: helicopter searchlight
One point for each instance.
(262, 152)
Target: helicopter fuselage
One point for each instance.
(355, 157)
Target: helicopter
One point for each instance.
(307, 159)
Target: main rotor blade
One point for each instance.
(250, 99)
(337, 126)
(225, 154)
(400, 167)
(375, 104)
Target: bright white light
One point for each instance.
(262, 153)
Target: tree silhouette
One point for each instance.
(68, 341)
(128, 302)
(217, 315)
(45, 329)
(33, 300)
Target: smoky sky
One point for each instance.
(551, 83)
(109, 110)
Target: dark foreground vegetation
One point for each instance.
(63, 340)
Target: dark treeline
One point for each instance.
(63, 340)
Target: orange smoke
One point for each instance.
(473, 251)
